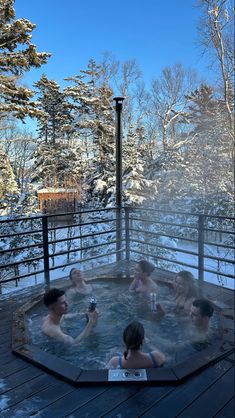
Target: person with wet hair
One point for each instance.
(185, 291)
(133, 357)
(201, 312)
(55, 301)
(142, 282)
(79, 285)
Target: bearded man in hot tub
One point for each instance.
(57, 305)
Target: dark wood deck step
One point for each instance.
(136, 405)
(43, 398)
(19, 378)
(186, 393)
(227, 411)
(5, 347)
(210, 402)
(3, 332)
(12, 367)
(70, 402)
(6, 357)
(105, 402)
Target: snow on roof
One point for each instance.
(55, 190)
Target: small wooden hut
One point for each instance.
(58, 200)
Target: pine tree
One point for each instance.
(56, 121)
(137, 188)
(57, 166)
(14, 33)
(94, 122)
(9, 190)
(93, 104)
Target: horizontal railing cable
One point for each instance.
(157, 257)
(156, 245)
(82, 236)
(83, 248)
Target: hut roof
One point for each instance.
(57, 190)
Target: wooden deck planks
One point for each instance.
(19, 378)
(12, 367)
(213, 398)
(42, 398)
(183, 395)
(227, 411)
(26, 390)
(136, 405)
(72, 401)
(106, 402)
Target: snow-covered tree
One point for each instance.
(94, 122)
(216, 35)
(17, 55)
(56, 121)
(209, 156)
(57, 165)
(9, 190)
(168, 101)
(92, 103)
(126, 80)
(19, 145)
(196, 173)
(137, 188)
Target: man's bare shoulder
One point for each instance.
(54, 331)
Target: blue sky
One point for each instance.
(156, 33)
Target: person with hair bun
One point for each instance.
(133, 357)
(142, 282)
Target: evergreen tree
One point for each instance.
(94, 122)
(137, 188)
(55, 122)
(57, 166)
(14, 33)
(8, 187)
(93, 105)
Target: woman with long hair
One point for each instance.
(185, 290)
(133, 357)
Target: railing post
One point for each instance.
(127, 229)
(46, 252)
(201, 251)
(118, 108)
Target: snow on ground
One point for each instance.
(208, 263)
(3, 398)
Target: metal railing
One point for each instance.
(38, 245)
(82, 237)
(146, 229)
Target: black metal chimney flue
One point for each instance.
(118, 107)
